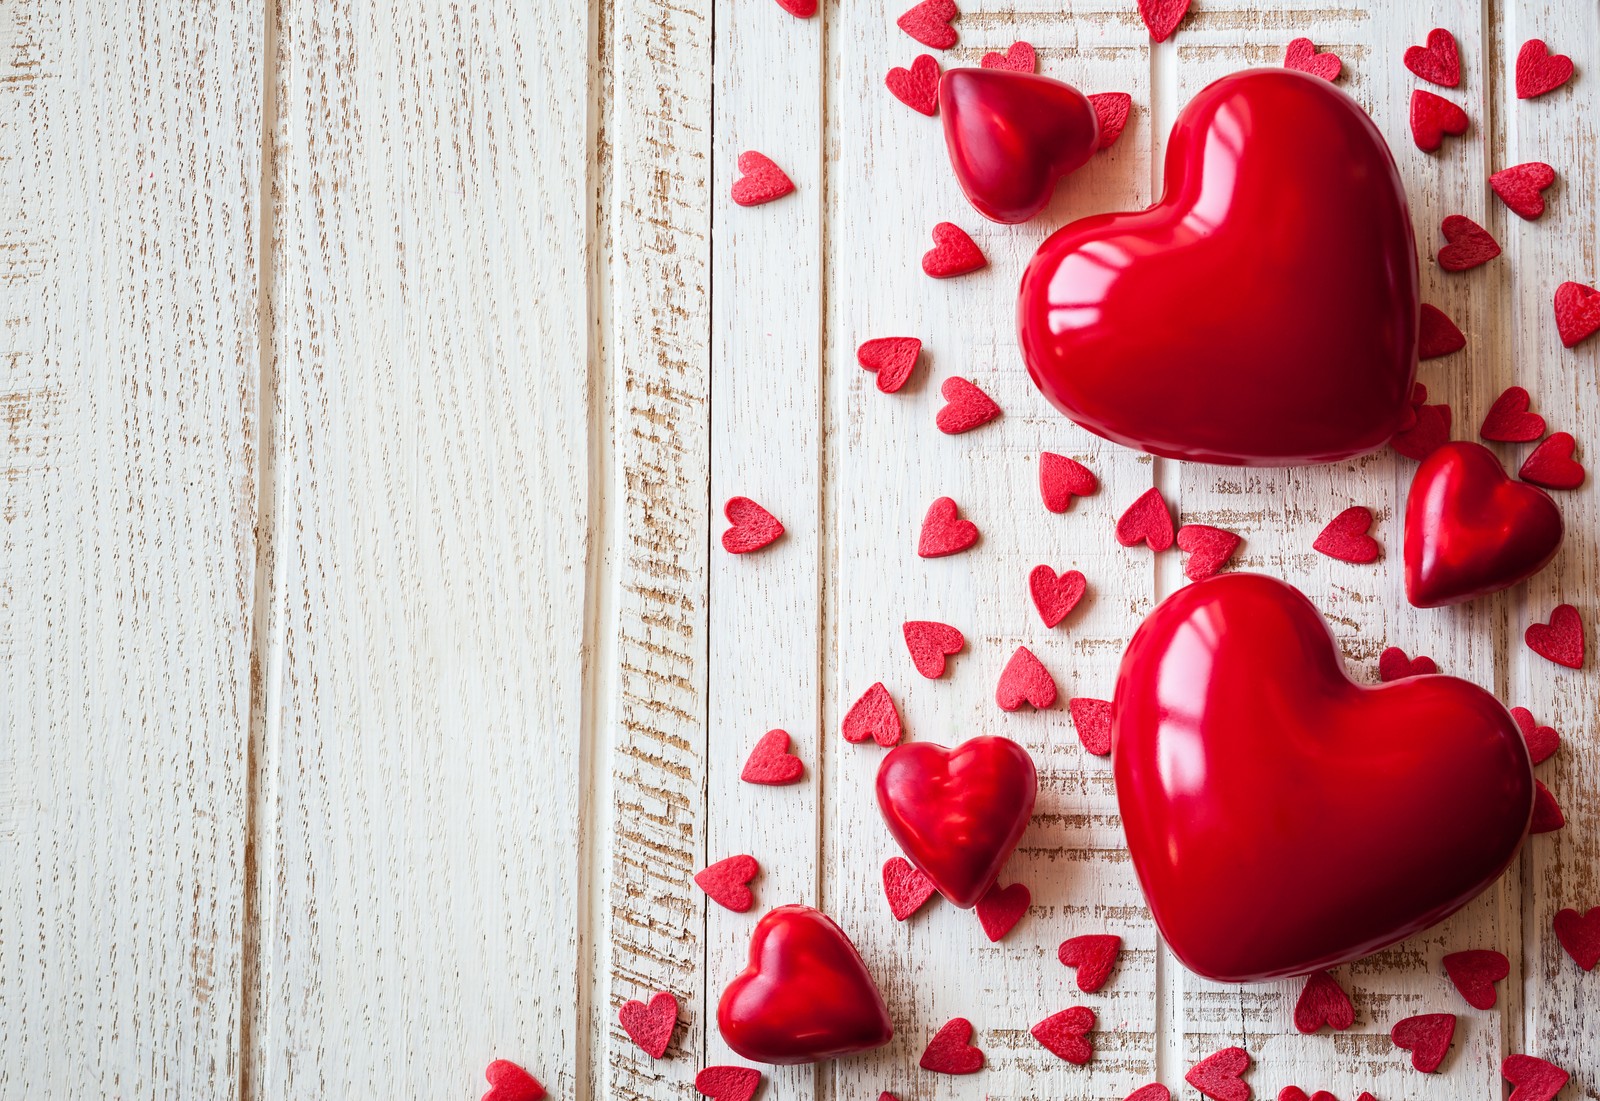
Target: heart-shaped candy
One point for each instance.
(1439, 62)
(954, 253)
(1577, 313)
(1218, 1075)
(1092, 718)
(1323, 1002)
(1432, 117)
(727, 882)
(1209, 549)
(918, 86)
(966, 407)
(873, 716)
(770, 762)
(650, 1024)
(929, 23)
(1055, 595)
(1302, 55)
(1066, 1034)
(1543, 741)
(1540, 71)
(1094, 955)
(1002, 907)
(1161, 17)
(891, 357)
(930, 644)
(1521, 187)
(1551, 463)
(944, 532)
(1025, 680)
(905, 888)
(950, 1052)
(1508, 419)
(1438, 335)
(1112, 109)
(1560, 640)
(1393, 664)
(1061, 479)
(1470, 245)
(1020, 58)
(761, 180)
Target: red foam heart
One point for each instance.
(1547, 816)
(1542, 741)
(1430, 432)
(1066, 1034)
(1055, 595)
(650, 1025)
(1208, 548)
(958, 813)
(1393, 664)
(892, 357)
(1094, 955)
(1346, 538)
(509, 1082)
(1295, 1093)
(1092, 718)
(1391, 805)
(1521, 187)
(1011, 136)
(1577, 312)
(728, 1083)
(943, 532)
(1155, 1091)
(873, 716)
(949, 1052)
(1439, 62)
(805, 995)
(1025, 680)
(770, 762)
(753, 526)
(801, 9)
(1166, 329)
(762, 180)
(953, 253)
(966, 407)
(1061, 479)
(1508, 419)
(1427, 1037)
(1432, 117)
(1533, 1079)
(1540, 71)
(1579, 934)
(1302, 55)
(1474, 974)
(1470, 244)
(1551, 464)
(1001, 908)
(1438, 335)
(1560, 640)
(905, 888)
(1111, 109)
(1218, 1075)
(1161, 17)
(930, 643)
(1146, 521)
(725, 882)
(929, 23)
(1020, 58)
(918, 86)
(1323, 1002)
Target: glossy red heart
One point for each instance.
(958, 813)
(1284, 819)
(1471, 529)
(1264, 312)
(805, 994)
(1011, 135)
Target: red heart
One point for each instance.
(1427, 1037)
(905, 888)
(1577, 312)
(509, 1082)
(1438, 335)
(805, 994)
(966, 407)
(1011, 136)
(1295, 1093)
(949, 1053)
(953, 253)
(1094, 955)
(1146, 521)
(1302, 55)
(728, 1083)
(958, 813)
(1542, 741)
(1166, 329)
(1551, 464)
(1560, 640)
(1547, 816)
(929, 23)
(650, 1026)
(1208, 548)
(1474, 974)
(1061, 479)
(725, 882)
(801, 9)
(1439, 62)
(892, 357)
(1346, 538)
(1155, 1091)
(918, 86)
(770, 762)
(1430, 432)
(1470, 244)
(1066, 1034)
(1394, 665)
(1025, 680)
(1391, 806)
(1579, 934)
(1020, 58)
(1471, 530)
(1509, 421)
(1161, 17)
(1093, 721)
(1540, 71)
(1432, 117)
(1002, 907)
(1521, 187)
(930, 644)
(753, 526)
(1111, 109)
(1533, 1079)
(1218, 1075)
(1055, 595)
(943, 533)
(761, 182)
(873, 716)
(1323, 1002)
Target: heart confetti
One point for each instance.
(650, 1026)
(1111, 109)
(728, 1083)
(1208, 548)
(949, 1052)
(953, 253)
(1393, 664)
(1521, 187)
(1092, 718)
(1470, 244)
(1427, 1037)
(1579, 934)
(1323, 1002)
(509, 1082)
(1001, 908)
(943, 532)
(1508, 419)
(771, 763)
(966, 407)
(1066, 1034)
(1432, 117)
(1061, 479)
(1055, 595)
(1218, 1075)
(1543, 741)
(918, 86)
(1551, 464)
(1302, 55)
(1437, 335)
(1540, 71)
(1439, 62)
(1533, 1079)
(1020, 58)
(1577, 313)
(929, 23)
(1161, 17)
(930, 643)
(1430, 432)
(1474, 974)
(892, 357)
(905, 887)
(1146, 521)
(1025, 680)
(1560, 640)
(1346, 538)
(762, 180)
(753, 526)
(1547, 816)
(873, 716)
(725, 882)
(1094, 955)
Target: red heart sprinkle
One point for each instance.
(873, 716)
(1432, 117)
(929, 23)
(892, 357)
(1323, 1002)
(800, 9)
(650, 1026)
(770, 762)
(1155, 1091)
(1061, 479)
(1533, 1079)
(918, 86)
(1209, 549)
(1111, 108)
(1020, 58)
(1302, 55)
(1560, 640)
(1577, 313)
(1543, 741)
(1147, 520)
(1346, 538)
(1430, 432)
(509, 1082)
(943, 532)
(753, 526)
(1094, 955)
(1579, 934)
(1551, 464)
(966, 407)
(1439, 62)
(1470, 244)
(1547, 816)
(949, 1053)
(761, 182)
(1427, 1037)
(1055, 595)
(1438, 336)
(1508, 419)
(1025, 680)
(1217, 1075)
(1066, 1034)
(1093, 720)
(953, 253)
(1161, 17)
(930, 643)
(725, 882)
(728, 1083)
(1540, 71)
(1394, 665)
(1474, 974)
(1521, 187)
(1001, 908)
(905, 887)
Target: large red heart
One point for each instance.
(805, 994)
(958, 813)
(1472, 530)
(1264, 312)
(1012, 135)
(1284, 819)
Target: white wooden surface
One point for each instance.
(372, 679)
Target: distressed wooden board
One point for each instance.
(130, 138)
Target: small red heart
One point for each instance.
(1474, 974)
(1218, 1075)
(1508, 419)
(1551, 464)
(1162, 17)
(1533, 1079)
(1540, 71)
(1055, 595)
(753, 526)
(918, 86)
(1093, 721)
(930, 644)
(1437, 335)
(1394, 665)
(1430, 432)
(1061, 479)
(953, 253)
(873, 716)
(771, 763)
(1002, 907)
(762, 180)
(1020, 58)
(1521, 187)
(929, 23)
(943, 532)
(1066, 1034)
(966, 407)
(1155, 1091)
(1439, 62)
(1094, 955)
(1302, 55)
(1547, 816)
(905, 888)
(1470, 244)
(949, 1053)
(1577, 313)
(1432, 117)
(728, 1083)
(892, 357)
(1025, 680)
(1543, 741)
(1579, 934)
(1427, 1037)
(800, 9)
(1111, 109)
(1295, 1093)
(1146, 521)
(650, 1026)
(1346, 538)
(1560, 640)
(509, 1082)
(1323, 1002)
(1208, 548)
(725, 882)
